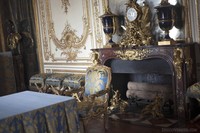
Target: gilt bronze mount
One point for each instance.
(138, 30)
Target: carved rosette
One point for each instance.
(134, 54)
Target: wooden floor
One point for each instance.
(117, 126)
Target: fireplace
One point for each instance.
(170, 65)
(146, 79)
(155, 71)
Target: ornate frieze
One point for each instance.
(133, 54)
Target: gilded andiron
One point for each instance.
(137, 25)
(154, 108)
(117, 104)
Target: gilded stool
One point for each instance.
(37, 82)
(54, 83)
(73, 84)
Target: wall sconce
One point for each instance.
(109, 21)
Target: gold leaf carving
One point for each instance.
(178, 61)
(134, 54)
(65, 4)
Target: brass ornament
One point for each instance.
(134, 54)
(178, 61)
(13, 40)
(137, 32)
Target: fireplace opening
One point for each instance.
(139, 81)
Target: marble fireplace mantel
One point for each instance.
(179, 57)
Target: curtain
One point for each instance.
(20, 14)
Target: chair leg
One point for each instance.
(105, 121)
(84, 123)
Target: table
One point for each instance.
(34, 112)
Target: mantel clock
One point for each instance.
(137, 25)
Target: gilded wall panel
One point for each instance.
(68, 30)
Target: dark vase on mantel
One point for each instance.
(109, 27)
(165, 15)
(109, 21)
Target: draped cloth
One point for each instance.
(33, 112)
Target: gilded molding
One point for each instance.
(178, 61)
(68, 71)
(46, 50)
(97, 23)
(134, 54)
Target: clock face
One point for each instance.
(131, 14)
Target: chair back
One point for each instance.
(97, 78)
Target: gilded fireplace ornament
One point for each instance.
(134, 54)
(137, 25)
(178, 61)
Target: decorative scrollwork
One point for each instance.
(178, 61)
(65, 4)
(69, 43)
(134, 54)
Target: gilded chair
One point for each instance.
(193, 93)
(94, 103)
